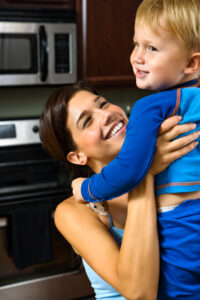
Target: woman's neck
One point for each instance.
(98, 165)
(117, 208)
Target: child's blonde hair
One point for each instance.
(181, 17)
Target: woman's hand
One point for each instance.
(167, 149)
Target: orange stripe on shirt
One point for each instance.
(91, 193)
(178, 100)
(177, 184)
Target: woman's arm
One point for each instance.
(139, 260)
(132, 269)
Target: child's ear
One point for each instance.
(193, 65)
(77, 158)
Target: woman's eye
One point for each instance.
(102, 104)
(86, 122)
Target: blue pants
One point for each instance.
(179, 234)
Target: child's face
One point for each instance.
(158, 61)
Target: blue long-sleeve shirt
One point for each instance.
(133, 161)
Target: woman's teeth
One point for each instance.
(114, 131)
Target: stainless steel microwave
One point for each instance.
(37, 53)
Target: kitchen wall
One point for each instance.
(28, 101)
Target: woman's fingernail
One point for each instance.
(194, 125)
(179, 118)
(197, 133)
(194, 144)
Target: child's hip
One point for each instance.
(179, 235)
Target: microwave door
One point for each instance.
(19, 63)
(18, 53)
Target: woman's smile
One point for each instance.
(117, 128)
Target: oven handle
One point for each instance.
(4, 221)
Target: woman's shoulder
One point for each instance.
(70, 211)
(67, 204)
(65, 207)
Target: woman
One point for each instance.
(79, 128)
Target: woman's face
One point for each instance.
(97, 126)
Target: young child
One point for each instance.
(166, 58)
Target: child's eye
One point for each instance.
(86, 122)
(151, 48)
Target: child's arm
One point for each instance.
(131, 165)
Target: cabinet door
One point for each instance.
(105, 40)
(69, 4)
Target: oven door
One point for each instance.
(59, 279)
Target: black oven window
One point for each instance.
(18, 54)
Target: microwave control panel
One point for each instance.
(62, 53)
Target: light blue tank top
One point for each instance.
(104, 290)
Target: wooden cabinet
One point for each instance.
(105, 35)
(65, 4)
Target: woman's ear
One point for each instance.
(77, 158)
(193, 65)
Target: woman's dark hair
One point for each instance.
(56, 138)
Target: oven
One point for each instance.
(36, 262)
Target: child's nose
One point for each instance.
(137, 56)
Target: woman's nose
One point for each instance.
(106, 116)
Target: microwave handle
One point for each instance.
(43, 53)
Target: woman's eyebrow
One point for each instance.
(82, 115)
(96, 99)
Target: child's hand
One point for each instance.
(76, 189)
